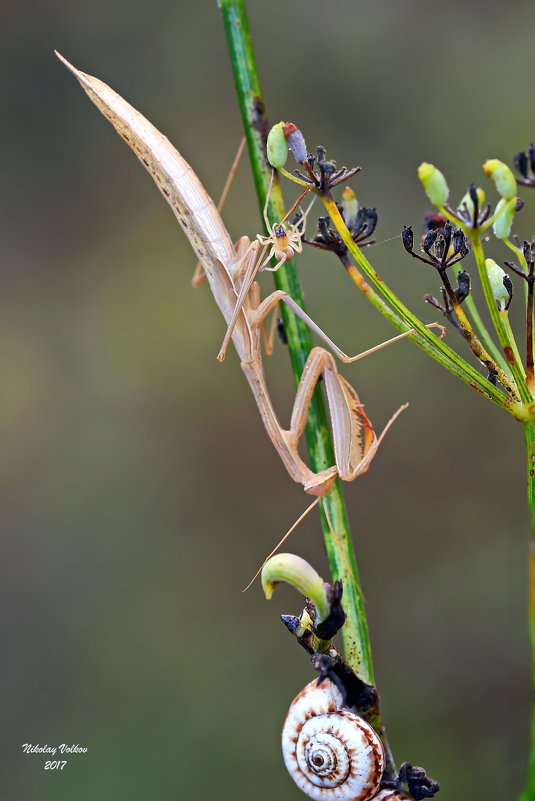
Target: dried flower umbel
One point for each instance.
(443, 248)
(361, 223)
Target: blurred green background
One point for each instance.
(140, 492)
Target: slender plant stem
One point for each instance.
(475, 345)
(529, 428)
(530, 372)
(338, 542)
(336, 532)
(482, 331)
(504, 315)
(516, 366)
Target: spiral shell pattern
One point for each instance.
(330, 753)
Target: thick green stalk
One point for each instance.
(529, 428)
(338, 544)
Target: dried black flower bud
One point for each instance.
(459, 240)
(419, 783)
(323, 227)
(371, 222)
(526, 250)
(407, 237)
(328, 167)
(440, 246)
(291, 622)
(429, 239)
(508, 284)
(360, 221)
(365, 223)
(521, 163)
(525, 165)
(320, 151)
(463, 286)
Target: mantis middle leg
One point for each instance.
(257, 316)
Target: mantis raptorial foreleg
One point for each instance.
(284, 244)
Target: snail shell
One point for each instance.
(331, 753)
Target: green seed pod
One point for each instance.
(505, 212)
(501, 176)
(496, 277)
(298, 573)
(277, 147)
(434, 183)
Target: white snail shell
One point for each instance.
(331, 753)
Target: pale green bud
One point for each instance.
(500, 283)
(434, 183)
(298, 573)
(277, 146)
(501, 176)
(505, 212)
(350, 206)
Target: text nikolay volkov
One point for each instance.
(28, 748)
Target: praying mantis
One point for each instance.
(230, 270)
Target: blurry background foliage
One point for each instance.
(140, 492)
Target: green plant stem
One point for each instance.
(473, 342)
(529, 428)
(339, 545)
(336, 532)
(504, 317)
(482, 331)
(515, 365)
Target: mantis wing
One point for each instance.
(182, 189)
